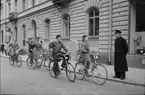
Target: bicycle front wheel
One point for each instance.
(11, 61)
(51, 71)
(31, 63)
(79, 71)
(70, 72)
(99, 74)
(19, 61)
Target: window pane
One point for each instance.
(91, 27)
(96, 26)
(140, 17)
(96, 13)
(91, 14)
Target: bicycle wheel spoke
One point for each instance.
(99, 74)
(79, 71)
(70, 72)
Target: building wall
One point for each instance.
(113, 15)
(120, 20)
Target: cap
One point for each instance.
(118, 31)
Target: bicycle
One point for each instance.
(32, 62)
(69, 69)
(93, 69)
(14, 58)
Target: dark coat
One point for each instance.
(121, 49)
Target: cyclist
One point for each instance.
(56, 46)
(14, 46)
(84, 53)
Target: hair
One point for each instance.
(58, 36)
(84, 36)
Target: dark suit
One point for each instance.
(121, 49)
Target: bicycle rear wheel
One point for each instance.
(46, 64)
(99, 74)
(80, 75)
(70, 72)
(31, 63)
(19, 61)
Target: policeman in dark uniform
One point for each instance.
(121, 49)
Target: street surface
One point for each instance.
(15, 80)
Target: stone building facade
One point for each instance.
(96, 18)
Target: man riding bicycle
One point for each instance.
(56, 46)
(84, 53)
(14, 47)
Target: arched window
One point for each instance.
(93, 21)
(24, 33)
(15, 5)
(24, 2)
(9, 6)
(16, 34)
(34, 29)
(66, 25)
(2, 36)
(47, 28)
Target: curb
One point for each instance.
(109, 79)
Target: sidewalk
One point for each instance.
(135, 76)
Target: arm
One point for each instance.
(51, 45)
(64, 47)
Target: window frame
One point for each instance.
(24, 5)
(94, 17)
(66, 26)
(47, 28)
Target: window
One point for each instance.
(140, 17)
(2, 12)
(47, 28)
(24, 2)
(24, 33)
(16, 34)
(9, 6)
(2, 36)
(15, 5)
(93, 22)
(66, 25)
(33, 3)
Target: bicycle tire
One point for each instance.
(46, 64)
(19, 63)
(96, 78)
(51, 72)
(29, 64)
(11, 62)
(72, 70)
(80, 75)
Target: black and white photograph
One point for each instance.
(72, 47)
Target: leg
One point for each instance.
(122, 75)
(55, 66)
(117, 75)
